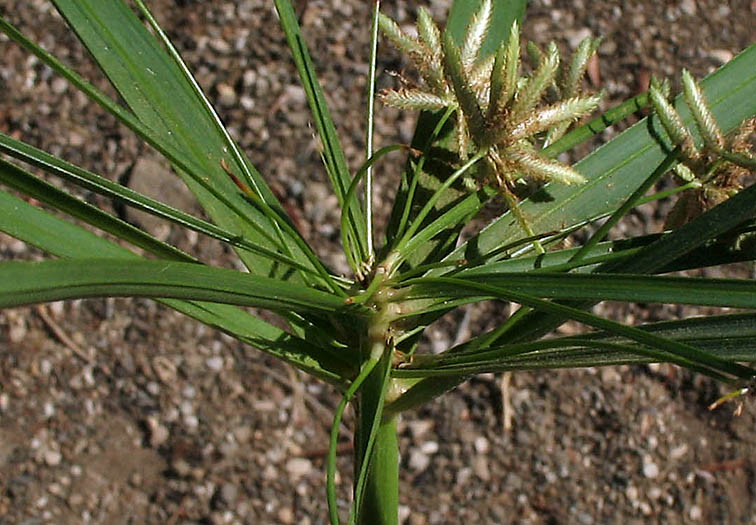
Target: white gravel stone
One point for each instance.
(576, 36)
(420, 427)
(59, 85)
(226, 95)
(418, 461)
(480, 467)
(721, 55)
(159, 433)
(191, 421)
(17, 329)
(650, 468)
(52, 458)
(481, 445)
(429, 447)
(689, 7)
(219, 46)
(298, 467)
(679, 451)
(215, 363)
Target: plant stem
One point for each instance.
(381, 500)
(380, 495)
(370, 126)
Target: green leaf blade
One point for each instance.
(333, 153)
(154, 87)
(731, 293)
(55, 236)
(29, 283)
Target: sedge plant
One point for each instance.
(490, 129)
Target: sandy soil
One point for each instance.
(119, 411)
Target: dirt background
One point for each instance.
(118, 411)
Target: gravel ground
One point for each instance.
(119, 411)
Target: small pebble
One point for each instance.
(689, 7)
(76, 140)
(17, 330)
(650, 469)
(420, 427)
(574, 37)
(418, 461)
(286, 515)
(228, 448)
(214, 363)
(242, 433)
(480, 467)
(481, 445)
(165, 369)
(679, 451)
(52, 458)
(722, 56)
(191, 421)
(45, 367)
(153, 388)
(229, 492)
(59, 85)
(159, 433)
(429, 447)
(298, 467)
(181, 467)
(463, 475)
(219, 46)
(226, 95)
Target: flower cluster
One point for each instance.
(497, 110)
(716, 168)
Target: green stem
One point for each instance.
(630, 203)
(381, 499)
(740, 160)
(333, 510)
(407, 240)
(511, 201)
(376, 489)
(370, 126)
(418, 169)
(363, 172)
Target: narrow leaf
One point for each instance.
(23, 283)
(24, 182)
(333, 153)
(55, 236)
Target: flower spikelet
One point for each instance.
(716, 168)
(497, 110)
